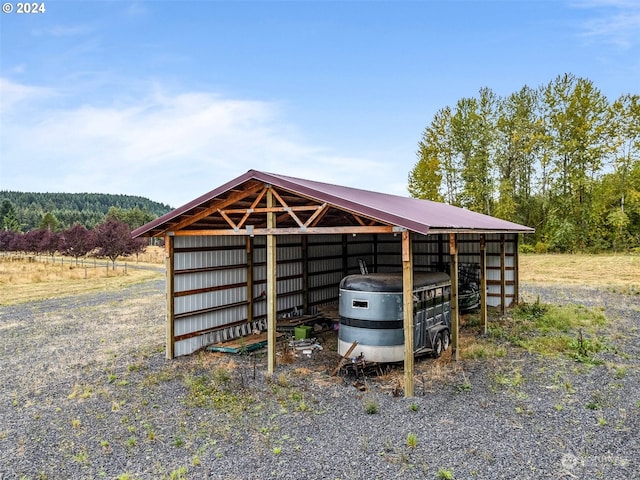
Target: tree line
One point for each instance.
(561, 158)
(24, 211)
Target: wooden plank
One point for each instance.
(249, 246)
(170, 325)
(344, 357)
(271, 288)
(288, 231)
(407, 309)
(237, 345)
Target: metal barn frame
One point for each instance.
(265, 244)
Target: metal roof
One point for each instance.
(345, 206)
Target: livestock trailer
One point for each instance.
(371, 313)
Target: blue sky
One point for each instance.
(170, 99)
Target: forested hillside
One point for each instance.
(561, 158)
(25, 211)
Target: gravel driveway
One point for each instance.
(87, 393)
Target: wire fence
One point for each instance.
(81, 263)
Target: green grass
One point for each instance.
(371, 406)
(569, 330)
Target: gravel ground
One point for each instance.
(87, 393)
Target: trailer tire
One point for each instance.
(446, 340)
(437, 345)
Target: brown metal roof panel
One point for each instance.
(413, 214)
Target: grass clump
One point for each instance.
(371, 406)
(569, 330)
(412, 440)
(444, 474)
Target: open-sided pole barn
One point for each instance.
(264, 245)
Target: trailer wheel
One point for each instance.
(437, 346)
(446, 340)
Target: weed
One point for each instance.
(81, 457)
(81, 391)
(559, 407)
(514, 380)
(178, 442)
(597, 401)
(413, 407)
(371, 406)
(75, 423)
(125, 476)
(178, 474)
(221, 375)
(283, 380)
(151, 435)
(277, 450)
(463, 387)
(444, 474)
(412, 440)
(621, 372)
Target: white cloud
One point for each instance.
(168, 147)
(614, 21)
(13, 94)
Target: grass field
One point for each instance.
(24, 280)
(610, 270)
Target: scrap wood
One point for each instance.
(344, 357)
(247, 343)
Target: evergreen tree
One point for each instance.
(8, 219)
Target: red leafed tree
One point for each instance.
(77, 241)
(113, 239)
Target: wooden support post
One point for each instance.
(455, 328)
(407, 309)
(271, 288)
(249, 247)
(375, 252)
(516, 269)
(305, 274)
(483, 281)
(170, 326)
(503, 283)
(345, 256)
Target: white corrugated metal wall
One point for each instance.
(211, 274)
